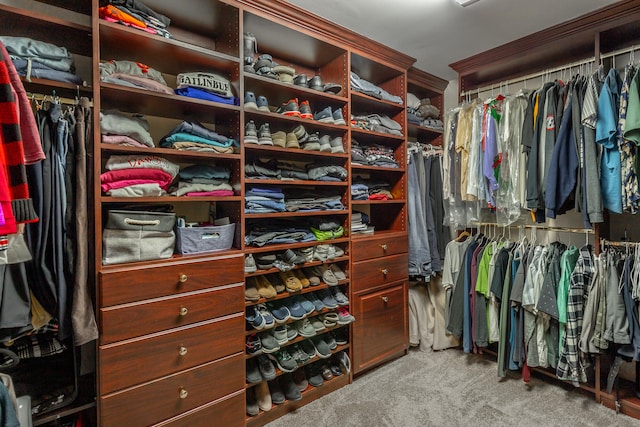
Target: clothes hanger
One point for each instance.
(462, 236)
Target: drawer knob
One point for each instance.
(183, 393)
(384, 271)
(182, 351)
(385, 299)
(183, 311)
(384, 246)
(183, 278)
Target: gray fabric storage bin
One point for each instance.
(193, 240)
(131, 236)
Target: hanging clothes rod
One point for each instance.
(54, 98)
(618, 52)
(537, 227)
(528, 77)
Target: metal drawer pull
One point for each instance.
(183, 311)
(183, 278)
(182, 351)
(385, 299)
(384, 271)
(384, 246)
(183, 393)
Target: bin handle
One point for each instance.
(131, 221)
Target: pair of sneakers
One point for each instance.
(293, 108)
(251, 102)
(327, 115)
(253, 135)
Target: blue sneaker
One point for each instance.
(327, 299)
(338, 118)
(280, 313)
(254, 318)
(263, 104)
(324, 116)
(306, 304)
(269, 321)
(250, 101)
(313, 298)
(295, 308)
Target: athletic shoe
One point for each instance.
(269, 321)
(327, 299)
(334, 365)
(330, 319)
(295, 309)
(301, 133)
(253, 375)
(250, 102)
(305, 329)
(277, 395)
(322, 349)
(289, 108)
(305, 110)
(324, 116)
(313, 298)
(254, 318)
(263, 104)
(330, 340)
(338, 118)
(312, 143)
(250, 133)
(280, 312)
(317, 324)
(315, 375)
(308, 348)
(307, 305)
(344, 361)
(280, 334)
(289, 387)
(269, 342)
(344, 317)
(299, 355)
(292, 332)
(300, 379)
(252, 404)
(340, 298)
(292, 141)
(253, 345)
(250, 264)
(263, 396)
(341, 335)
(279, 139)
(264, 135)
(283, 359)
(267, 370)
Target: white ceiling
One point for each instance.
(440, 32)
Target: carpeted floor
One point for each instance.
(450, 388)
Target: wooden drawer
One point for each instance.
(135, 361)
(170, 396)
(370, 274)
(141, 318)
(227, 412)
(378, 246)
(381, 327)
(123, 284)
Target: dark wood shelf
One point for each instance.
(363, 103)
(290, 321)
(285, 246)
(278, 92)
(310, 394)
(367, 168)
(300, 338)
(378, 202)
(422, 133)
(370, 136)
(286, 294)
(153, 50)
(295, 182)
(159, 104)
(297, 152)
(280, 121)
(173, 153)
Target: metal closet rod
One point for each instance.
(537, 227)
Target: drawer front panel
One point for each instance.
(168, 397)
(371, 273)
(141, 318)
(132, 362)
(376, 247)
(120, 285)
(382, 326)
(227, 412)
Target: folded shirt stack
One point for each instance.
(135, 14)
(278, 232)
(137, 176)
(359, 192)
(377, 123)
(121, 129)
(423, 113)
(377, 190)
(363, 86)
(310, 201)
(380, 155)
(357, 154)
(262, 169)
(264, 200)
(193, 136)
(292, 171)
(207, 86)
(321, 172)
(204, 180)
(34, 58)
(327, 229)
(133, 74)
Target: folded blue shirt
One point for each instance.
(192, 92)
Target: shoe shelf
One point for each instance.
(151, 48)
(375, 137)
(306, 184)
(298, 152)
(361, 102)
(338, 349)
(300, 338)
(276, 90)
(175, 154)
(303, 291)
(310, 394)
(276, 118)
(290, 321)
(285, 246)
(305, 265)
(164, 105)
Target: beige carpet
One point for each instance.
(450, 388)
